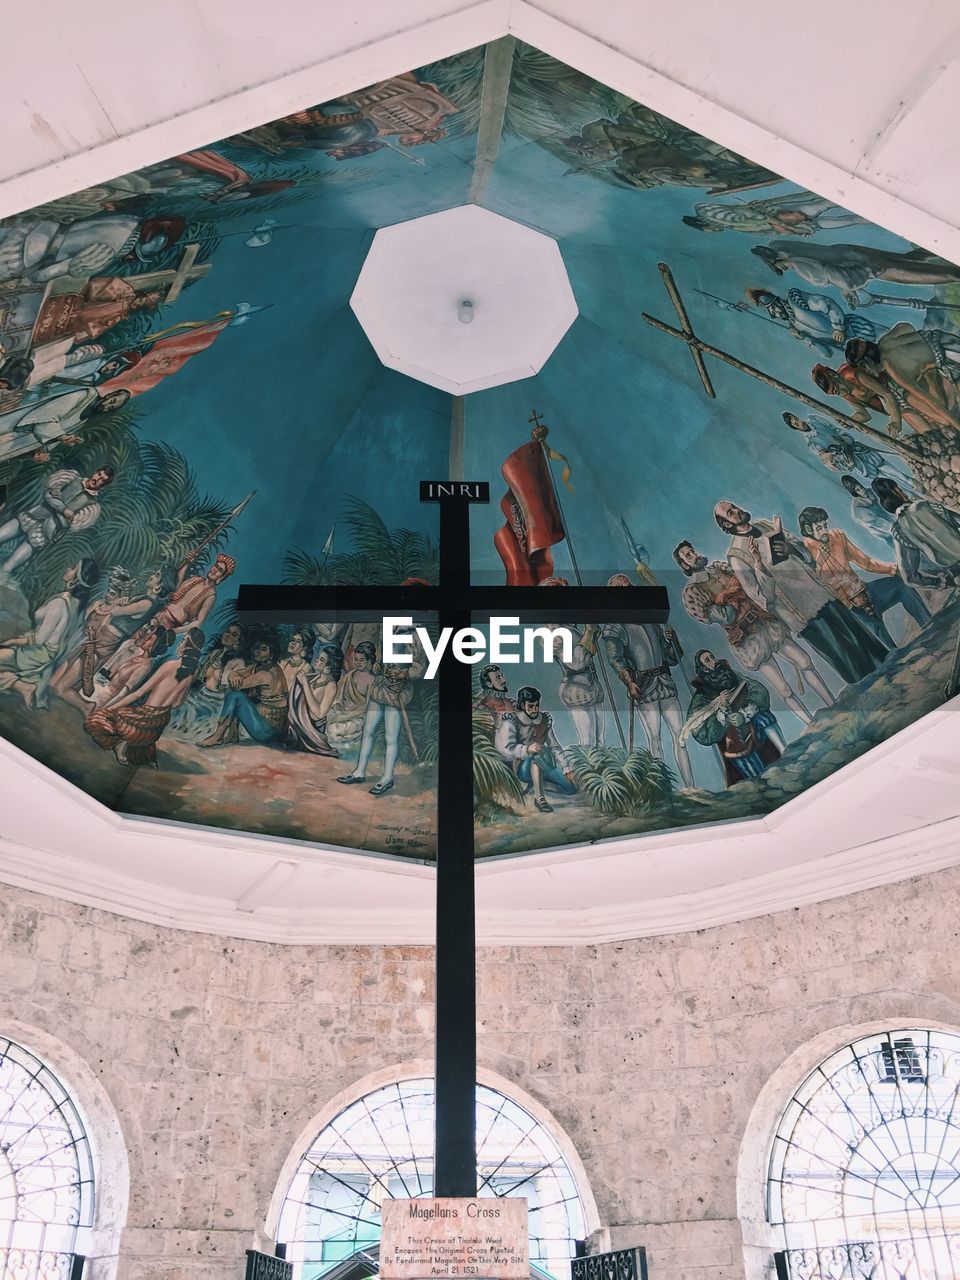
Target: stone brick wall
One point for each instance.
(653, 1055)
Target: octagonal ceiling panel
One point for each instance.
(187, 400)
(464, 300)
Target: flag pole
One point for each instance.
(540, 433)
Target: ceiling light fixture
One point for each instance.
(466, 312)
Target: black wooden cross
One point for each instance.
(456, 603)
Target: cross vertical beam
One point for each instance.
(666, 275)
(456, 602)
(455, 1152)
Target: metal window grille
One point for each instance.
(46, 1172)
(864, 1174)
(381, 1146)
(901, 1059)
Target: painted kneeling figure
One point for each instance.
(132, 732)
(732, 712)
(526, 740)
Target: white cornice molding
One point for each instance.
(870, 866)
(608, 891)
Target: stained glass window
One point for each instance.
(381, 1147)
(46, 1170)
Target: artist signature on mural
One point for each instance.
(404, 836)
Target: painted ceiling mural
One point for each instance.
(187, 401)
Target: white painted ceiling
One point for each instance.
(418, 273)
(856, 103)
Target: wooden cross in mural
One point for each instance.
(173, 281)
(455, 603)
(697, 347)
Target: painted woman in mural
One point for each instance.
(346, 715)
(222, 658)
(100, 637)
(311, 693)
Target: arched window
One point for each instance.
(864, 1175)
(381, 1146)
(46, 1171)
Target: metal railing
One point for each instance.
(926, 1257)
(40, 1264)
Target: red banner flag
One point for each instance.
(534, 523)
(166, 356)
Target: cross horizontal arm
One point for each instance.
(271, 603)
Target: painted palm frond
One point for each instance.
(302, 569)
(369, 534)
(619, 782)
(393, 554)
(151, 514)
(424, 716)
(378, 555)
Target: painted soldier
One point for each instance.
(926, 537)
(580, 689)
(642, 654)
(526, 740)
(815, 318)
(70, 503)
(494, 694)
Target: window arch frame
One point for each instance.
(761, 1238)
(100, 1238)
(419, 1069)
